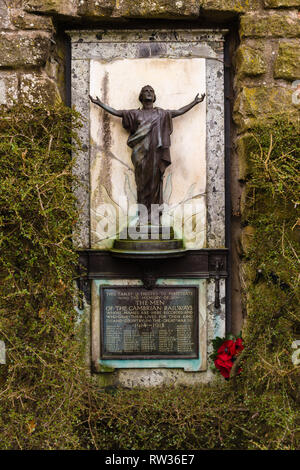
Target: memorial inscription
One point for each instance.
(137, 323)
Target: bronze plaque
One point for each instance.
(137, 323)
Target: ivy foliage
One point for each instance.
(40, 382)
(47, 398)
(271, 279)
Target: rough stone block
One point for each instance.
(251, 61)
(287, 63)
(8, 88)
(94, 9)
(38, 89)
(283, 24)
(157, 8)
(23, 20)
(281, 3)
(236, 6)
(242, 146)
(247, 238)
(4, 16)
(254, 105)
(58, 7)
(97, 9)
(23, 49)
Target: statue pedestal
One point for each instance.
(148, 242)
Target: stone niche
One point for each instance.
(114, 65)
(111, 175)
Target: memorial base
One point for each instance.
(148, 241)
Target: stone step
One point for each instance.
(147, 232)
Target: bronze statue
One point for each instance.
(150, 129)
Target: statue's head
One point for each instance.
(145, 93)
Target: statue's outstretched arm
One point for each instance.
(184, 109)
(107, 108)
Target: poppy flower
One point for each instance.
(239, 345)
(228, 348)
(224, 364)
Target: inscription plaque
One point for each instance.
(149, 324)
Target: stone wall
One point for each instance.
(265, 63)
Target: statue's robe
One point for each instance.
(150, 142)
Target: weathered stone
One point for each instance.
(251, 61)
(247, 238)
(4, 16)
(236, 6)
(59, 7)
(8, 87)
(38, 89)
(248, 273)
(23, 49)
(242, 145)
(287, 63)
(96, 9)
(243, 204)
(283, 24)
(281, 3)
(23, 20)
(260, 103)
(157, 8)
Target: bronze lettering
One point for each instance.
(136, 323)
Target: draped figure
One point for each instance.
(149, 130)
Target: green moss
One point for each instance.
(250, 61)
(257, 105)
(242, 144)
(168, 418)
(37, 267)
(236, 6)
(18, 50)
(287, 64)
(273, 321)
(104, 379)
(279, 24)
(104, 369)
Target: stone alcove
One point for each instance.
(115, 64)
